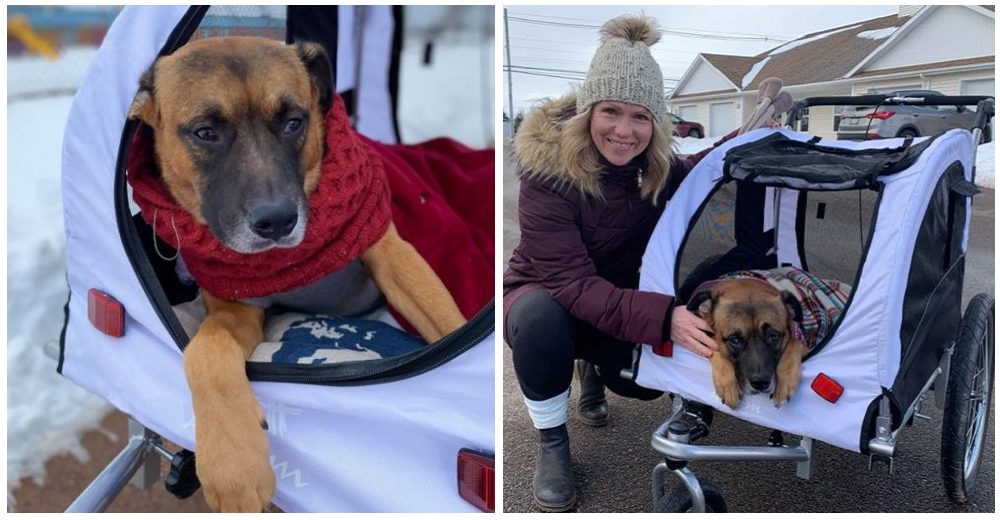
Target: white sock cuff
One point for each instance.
(549, 413)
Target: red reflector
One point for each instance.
(827, 388)
(665, 350)
(476, 481)
(105, 313)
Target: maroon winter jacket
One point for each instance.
(585, 250)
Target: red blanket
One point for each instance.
(442, 203)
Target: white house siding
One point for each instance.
(867, 87)
(704, 79)
(951, 84)
(947, 33)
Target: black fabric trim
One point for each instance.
(800, 228)
(397, 51)
(62, 333)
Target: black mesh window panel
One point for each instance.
(837, 225)
(726, 235)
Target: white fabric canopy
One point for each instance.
(864, 354)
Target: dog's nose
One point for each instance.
(760, 384)
(273, 221)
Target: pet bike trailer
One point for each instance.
(391, 425)
(888, 217)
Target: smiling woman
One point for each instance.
(593, 167)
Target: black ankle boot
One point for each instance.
(593, 406)
(554, 485)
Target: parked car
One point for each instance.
(867, 122)
(685, 128)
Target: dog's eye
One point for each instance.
(206, 134)
(773, 338)
(293, 125)
(734, 342)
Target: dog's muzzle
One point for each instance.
(274, 221)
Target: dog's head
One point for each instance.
(753, 324)
(239, 128)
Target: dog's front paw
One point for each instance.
(783, 392)
(233, 464)
(728, 392)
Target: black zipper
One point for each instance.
(367, 372)
(126, 227)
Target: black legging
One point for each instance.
(545, 339)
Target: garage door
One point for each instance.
(721, 119)
(688, 112)
(979, 87)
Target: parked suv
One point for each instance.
(684, 128)
(904, 120)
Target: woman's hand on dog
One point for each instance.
(691, 332)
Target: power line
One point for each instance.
(592, 21)
(672, 32)
(554, 71)
(592, 45)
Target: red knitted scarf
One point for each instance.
(348, 212)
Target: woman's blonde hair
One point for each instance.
(580, 156)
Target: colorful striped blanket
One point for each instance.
(822, 300)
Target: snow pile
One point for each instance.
(748, 78)
(985, 169)
(791, 45)
(46, 414)
(877, 34)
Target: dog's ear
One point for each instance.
(701, 304)
(143, 105)
(320, 71)
(793, 306)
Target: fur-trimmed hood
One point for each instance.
(539, 140)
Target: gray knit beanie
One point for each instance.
(623, 68)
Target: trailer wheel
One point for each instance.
(678, 499)
(967, 405)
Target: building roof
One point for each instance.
(819, 57)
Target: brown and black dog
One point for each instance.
(754, 327)
(266, 101)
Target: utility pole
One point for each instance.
(510, 92)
